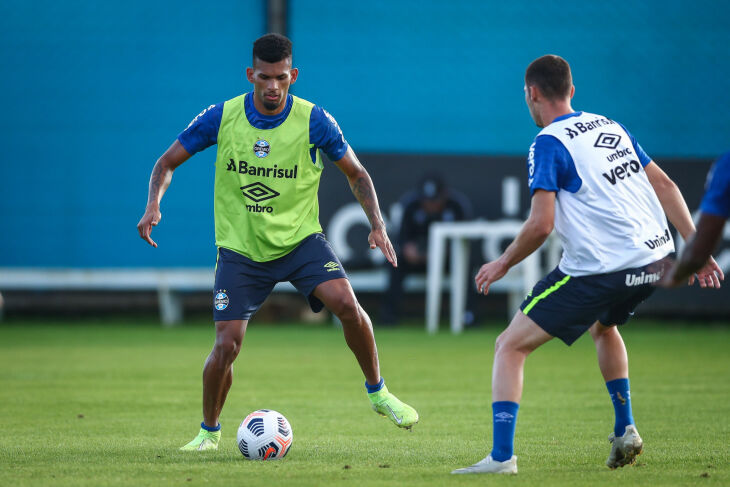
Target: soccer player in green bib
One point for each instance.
(267, 221)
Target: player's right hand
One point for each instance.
(151, 218)
(489, 273)
(709, 276)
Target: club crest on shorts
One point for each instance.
(261, 148)
(220, 301)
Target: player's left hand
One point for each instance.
(709, 276)
(379, 238)
(489, 273)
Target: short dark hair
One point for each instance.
(271, 48)
(551, 74)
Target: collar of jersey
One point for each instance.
(266, 122)
(567, 115)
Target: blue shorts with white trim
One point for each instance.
(566, 306)
(242, 285)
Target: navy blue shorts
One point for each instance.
(566, 306)
(242, 285)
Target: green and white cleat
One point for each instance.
(206, 440)
(624, 449)
(386, 404)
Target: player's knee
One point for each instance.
(499, 343)
(346, 308)
(595, 332)
(599, 331)
(507, 343)
(227, 348)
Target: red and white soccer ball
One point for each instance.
(264, 435)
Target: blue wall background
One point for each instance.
(445, 77)
(94, 92)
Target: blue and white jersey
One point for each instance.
(717, 197)
(607, 216)
(324, 132)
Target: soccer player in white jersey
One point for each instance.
(607, 200)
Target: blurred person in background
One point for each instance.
(432, 201)
(268, 168)
(714, 210)
(608, 202)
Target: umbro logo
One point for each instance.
(607, 141)
(332, 266)
(504, 417)
(258, 192)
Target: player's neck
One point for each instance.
(555, 110)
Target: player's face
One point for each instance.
(271, 83)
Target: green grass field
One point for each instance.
(109, 403)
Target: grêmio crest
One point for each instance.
(261, 148)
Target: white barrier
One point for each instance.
(517, 283)
(168, 283)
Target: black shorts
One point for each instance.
(242, 285)
(566, 306)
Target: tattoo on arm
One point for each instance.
(159, 181)
(363, 189)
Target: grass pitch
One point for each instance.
(109, 403)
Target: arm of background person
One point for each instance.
(533, 233)
(698, 250)
(362, 187)
(677, 212)
(159, 182)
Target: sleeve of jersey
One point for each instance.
(644, 159)
(325, 134)
(202, 132)
(717, 197)
(550, 166)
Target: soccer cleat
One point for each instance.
(490, 465)
(206, 440)
(386, 404)
(624, 449)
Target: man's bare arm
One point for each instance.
(671, 200)
(533, 233)
(159, 182)
(363, 189)
(677, 212)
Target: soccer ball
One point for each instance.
(264, 435)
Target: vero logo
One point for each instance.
(622, 171)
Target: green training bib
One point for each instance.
(265, 183)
